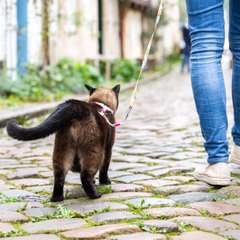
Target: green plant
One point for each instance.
(183, 226)
(149, 229)
(104, 190)
(7, 199)
(203, 212)
(23, 208)
(52, 205)
(126, 70)
(227, 237)
(68, 196)
(53, 82)
(106, 209)
(13, 234)
(136, 207)
(62, 212)
(217, 199)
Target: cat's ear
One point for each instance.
(116, 89)
(90, 89)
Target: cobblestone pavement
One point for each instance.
(153, 193)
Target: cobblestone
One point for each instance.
(132, 178)
(9, 216)
(6, 228)
(142, 170)
(92, 207)
(207, 224)
(23, 195)
(122, 166)
(54, 224)
(154, 156)
(99, 231)
(30, 182)
(15, 205)
(233, 218)
(122, 196)
(39, 212)
(129, 158)
(34, 237)
(235, 234)
(139, 236)
(112, 217)
(146, 202)
(171, 212)
(124, 187)
(215, 208)
(183, 189)
(180, 179)
(235, 201)
(162, 224)
(157, 183)
(186, 198)
(233, 191)
(197, 235)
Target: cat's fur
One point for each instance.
(83, 141)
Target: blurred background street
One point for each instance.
(48, 50)
(51, 48)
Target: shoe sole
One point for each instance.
(212, 181)
(234, 159)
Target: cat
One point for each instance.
(83, 139)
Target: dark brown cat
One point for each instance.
(83, 141)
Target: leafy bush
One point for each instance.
(66, 77)
(126, 70)
(36, 85)
(5, 84)
(123, 71)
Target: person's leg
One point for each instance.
(206, 23)
(183, 63)
(188, 63)
(234, 41)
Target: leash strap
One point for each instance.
(140, 74)
(105, 108)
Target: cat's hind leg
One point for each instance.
(90, 163)
(103, 173)
(63, 156)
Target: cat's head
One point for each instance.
(109, 97)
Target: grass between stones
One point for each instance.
(65, 213)
(7, 199)
(235, 175)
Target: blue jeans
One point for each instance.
(185, 60)
(206, 23)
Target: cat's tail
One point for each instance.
(59, 118)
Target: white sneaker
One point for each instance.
(214, 174)
(235, 153)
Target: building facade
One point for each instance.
(82, 30)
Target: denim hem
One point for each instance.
(217, 160)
